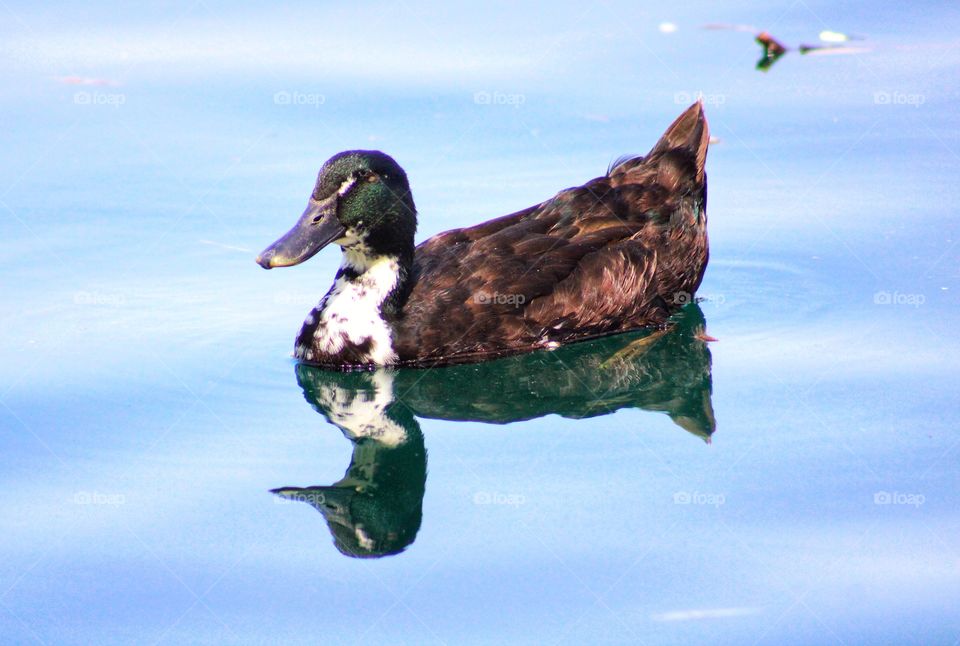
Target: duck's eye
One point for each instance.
(367, 174)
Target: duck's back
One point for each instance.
(621, 252)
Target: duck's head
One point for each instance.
(362, 202)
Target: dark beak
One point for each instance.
(317, 227)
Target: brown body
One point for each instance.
(622, 252)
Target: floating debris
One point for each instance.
(773, 49)
(828, 36)
(827, 50)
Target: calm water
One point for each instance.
(148, 404)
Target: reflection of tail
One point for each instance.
(697, 418)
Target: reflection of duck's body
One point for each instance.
(619, 253)
(376, 508)
(664, 370)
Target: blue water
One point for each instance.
(148, 403)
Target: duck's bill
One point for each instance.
(333, 502)
(317, 227)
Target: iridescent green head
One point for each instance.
(361, 201)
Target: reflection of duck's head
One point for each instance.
(376, 508)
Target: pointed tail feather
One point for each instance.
(676, 162)
(686, 140)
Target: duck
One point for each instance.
(622, 252)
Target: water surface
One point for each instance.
(148, 405)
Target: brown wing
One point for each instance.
(620, 252)
(571, 267)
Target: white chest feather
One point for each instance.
(350, 313)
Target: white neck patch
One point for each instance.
(356, 254)
(350, 313)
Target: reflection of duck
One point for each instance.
(376, 508)
(619, 253)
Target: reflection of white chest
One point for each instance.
(360, 413)
(350, 314)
